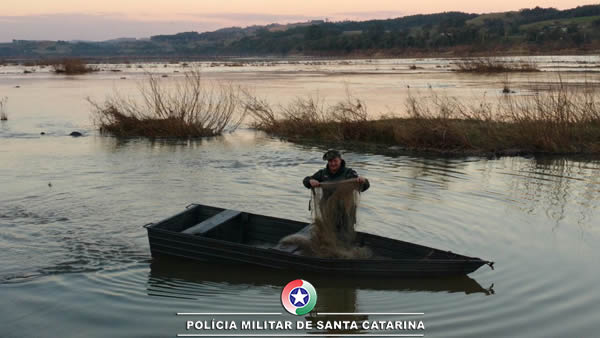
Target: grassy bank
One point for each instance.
(184, 108)
(560, 120)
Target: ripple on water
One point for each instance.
(42, 242)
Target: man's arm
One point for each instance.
(316, 176)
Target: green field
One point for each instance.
(480, 20)
(562, 22)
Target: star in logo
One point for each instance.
(299, 297)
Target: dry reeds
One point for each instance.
(489, 65)
(3, 113)
(557, 120)
(188, 108)
(72, 67)
(307, 116)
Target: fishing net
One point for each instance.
(334, 214)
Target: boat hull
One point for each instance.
(236, 244)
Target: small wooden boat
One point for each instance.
(218, 235)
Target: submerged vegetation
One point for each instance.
(72, 67)
(187, 108)
(3, 113)
(487, 65)
(560, 120)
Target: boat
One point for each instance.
(224, 236)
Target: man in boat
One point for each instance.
(335, 170)
(335, 204)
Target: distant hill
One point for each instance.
(536, 30)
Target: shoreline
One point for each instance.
(373, 55)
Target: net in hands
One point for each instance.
(334, 208)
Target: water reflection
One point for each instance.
(179, 278)
(227, 141)
(126, 143)
(564, 189)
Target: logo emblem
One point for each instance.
(299, 297)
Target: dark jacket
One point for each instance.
(343, 173)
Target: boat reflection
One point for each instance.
(179, 276)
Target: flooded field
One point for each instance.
(383, 84)
(75, 257)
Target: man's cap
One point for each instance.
(331, 154)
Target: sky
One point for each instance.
(109, 19)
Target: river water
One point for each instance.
(75, 259)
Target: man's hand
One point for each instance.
(314, 183)
(361, 179)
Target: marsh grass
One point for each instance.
(557, 120)
(186, 108)
(72, 67)
(3, 113)
(561, 119)
(487, 65)
(309, 116)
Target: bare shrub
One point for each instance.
(304, 115)
(189, 108)
(72, 67)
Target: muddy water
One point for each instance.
(75, 260)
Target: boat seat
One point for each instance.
(212, 222)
